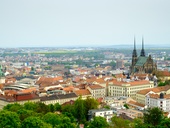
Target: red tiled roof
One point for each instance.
(156, 89)
(133, 103)
(95, 86)
(132, 83)
(82, 92)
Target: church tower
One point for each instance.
(142, 51)
(2, 76)
(134, 56)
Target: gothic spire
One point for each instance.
(142, 51)
(134, 50)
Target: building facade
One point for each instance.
(128, 88)
(161, 101)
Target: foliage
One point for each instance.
(57, 107)
(167, 82)
(23, 113)
(66, 123)
(120, 123)
(68, 109)
(79, 106)
(153, 116)
(165, 123)
(126, 106)
(51, 107)
(9, 119)
(90, 103)
(30, 106)
(42, 108)
(34, 122)
(52, 118)
(98, 122)
(13, 107)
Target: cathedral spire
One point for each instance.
(142, 51)
(134, 50)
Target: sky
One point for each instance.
(56, 23)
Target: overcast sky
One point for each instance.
(83, 22)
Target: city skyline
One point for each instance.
(57, 23)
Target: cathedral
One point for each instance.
(142, 64)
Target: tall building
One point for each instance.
(142, 64)
(2, 76)
(119, 64)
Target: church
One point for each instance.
(142, 63)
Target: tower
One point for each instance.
(142, 51)
(2, 76)
(134, 56)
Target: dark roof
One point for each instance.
(141, 61)
(62, 96)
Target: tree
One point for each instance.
(153, 116)
(51, 107)
(120, 123)
(79, 106)
(126, 106)
(57, 107)
(9, 120)
(98, 122)
(30, 106)
(34, 122)
(90, 103)
(13, 107)
(52, 119)
(23, 113)
(42, 108)
(68, 109)
(165, 123)
(66, 123)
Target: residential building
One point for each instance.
(130, 113)
(14, 97)
(61, 99)
(161, 101)
(140, 95)
(97, 91)
(128, 88)
(106, 113)
(84, 93)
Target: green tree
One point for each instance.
(126, 106)
(30, 106)
(13, 107)
(91, 103)
(52, 119)
(51, 107)
(66, 123)
(165, 123)
(23, 113)
(34, 122)
(153, 116)
(120, 123)
(9, 120)
(42, 108)
(98, 122)
(79, 106)
(68, 109)
(57, 107)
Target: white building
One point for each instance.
(107, 114)
(161, 101)
(126, 87)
